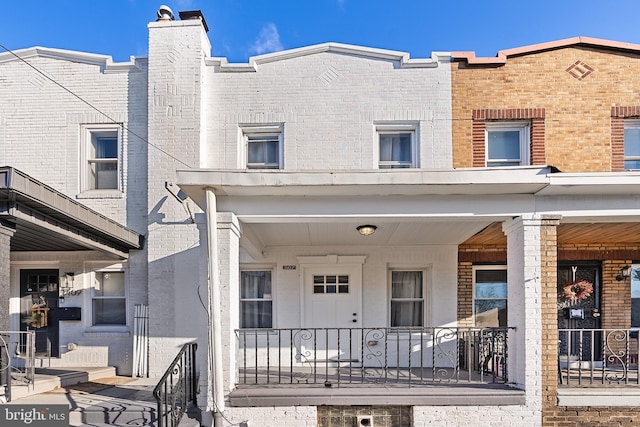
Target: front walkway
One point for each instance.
(106, 401)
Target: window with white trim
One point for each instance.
(256, 299)
(507, 144)
(397, 146)
(632, 145)
(100, 157)
(263, 146)
(490, 295)
(109, 298)
(407, 298)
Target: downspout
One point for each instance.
(215, 387)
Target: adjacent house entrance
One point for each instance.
(38, 298)
(579, 293)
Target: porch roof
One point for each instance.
(46, 220)
(279, 207)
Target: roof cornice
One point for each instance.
(105, 62)
(401, 58)
(501, 57)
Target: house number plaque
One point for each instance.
(288, 267)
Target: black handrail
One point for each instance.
(177, 387)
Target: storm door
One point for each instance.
(38, 298)
(579, 291)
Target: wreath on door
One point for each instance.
(578, 290)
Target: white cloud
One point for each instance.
(268, 40)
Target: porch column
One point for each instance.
(5, 288)
(215, 391)
(531, 271)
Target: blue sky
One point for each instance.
(242, 28)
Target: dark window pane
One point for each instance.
(406, 313)
(331, 279)
(109, 312)
(343, 279)
(331, 289)
(256, 314)
(343, 289)
(318, 289)
(406, 284)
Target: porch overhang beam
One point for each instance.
(13, 212)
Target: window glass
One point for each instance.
(407, 298)
(263, 151)
(490, 297)
(256, 299)
(504, 144)
(100, 157)
(109, 300)
(635, 296)
(395, 150)
(507, 144)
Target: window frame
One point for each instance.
(474, 280)
(94, 298)
(524, 128)
(89, 132)
(271, 270)
(397, 128)
(264, 131)
(425, 296)
(630, 124)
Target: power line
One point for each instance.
(94, 107)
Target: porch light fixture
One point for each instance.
(366, 230)
(625, 273)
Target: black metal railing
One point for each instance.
(342, 357)
(177, 388)
(17, 361)
(598, 357)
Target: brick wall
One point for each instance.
(578, 111)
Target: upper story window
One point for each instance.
(407, 298)
(263, 147)
(100, 153)
(256, 307)
(490, 296)
(397, 147)
(507, 144)
(632, 145)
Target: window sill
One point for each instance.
(100, 194)
(107, 331)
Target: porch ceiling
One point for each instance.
(345, 233)
(570, 233)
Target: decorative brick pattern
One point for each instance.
(579, 70)
(535, 116)
(346, 416)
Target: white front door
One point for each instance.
(332, 305)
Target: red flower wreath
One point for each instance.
(580, 289)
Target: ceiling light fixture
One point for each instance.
(366, 230)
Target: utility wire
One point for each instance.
(94, 107)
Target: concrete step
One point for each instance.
(48, 379)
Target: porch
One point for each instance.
(383, 365)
